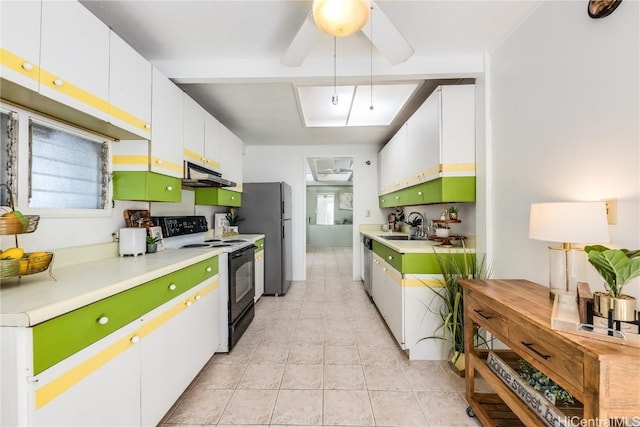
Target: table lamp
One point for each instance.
(568, 223)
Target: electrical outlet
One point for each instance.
(612, 211)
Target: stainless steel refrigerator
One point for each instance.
(266, 209)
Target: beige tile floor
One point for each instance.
(321, 356)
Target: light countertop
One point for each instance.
(408, 246)
(37, 298)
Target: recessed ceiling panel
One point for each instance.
(387, 101)
(318, 108)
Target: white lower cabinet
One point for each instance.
(259, 270)
(388, 295)
(174, 352)
(407, 304)
(130, 377)
(98, 385)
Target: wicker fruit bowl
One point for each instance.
(19, 225)
(33, 263)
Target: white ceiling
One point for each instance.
(226, 55)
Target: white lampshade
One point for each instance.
(569, 222)
(341, 17)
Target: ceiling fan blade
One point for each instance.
(386, 37)
(302, 43)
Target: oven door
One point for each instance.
(241, 281)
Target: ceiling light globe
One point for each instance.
(341, 17)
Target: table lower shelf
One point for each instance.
(504, 408)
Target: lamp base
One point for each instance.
(567, 267)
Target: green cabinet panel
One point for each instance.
(218, 197)
(413, 263)
(59, 338)
(147, 186)
(440, 190)
(259, 245)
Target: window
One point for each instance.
(68, 170)
(325, 209)
(8, 135)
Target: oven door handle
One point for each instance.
(243, 251)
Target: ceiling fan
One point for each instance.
(385, 37)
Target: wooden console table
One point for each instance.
(603, 377)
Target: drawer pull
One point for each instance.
(197, 297)
(532, 348)
(209, 269)
(135, 339)
(27, 66)
(103, 320)
(147, 126)
(58, 82)
(481, 314)
(169, 188)
(188, 303)
(173, 287)
(390, 257)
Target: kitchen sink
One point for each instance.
(399, 237)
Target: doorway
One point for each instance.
(329, 201)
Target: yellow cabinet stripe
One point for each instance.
(422, 283)
(190, 154)
(130, 160)
(14, 62)
(165, 164)
(59, 385)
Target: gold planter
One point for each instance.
(624, 307)
(457, 363)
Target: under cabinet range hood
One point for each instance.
(198, 176)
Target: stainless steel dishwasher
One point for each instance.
(367, 257)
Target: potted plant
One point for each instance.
(617, 267)
(233, 217)
(453, 212)
(447, 301)
(152, 244)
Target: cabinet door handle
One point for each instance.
(27, 66)
(147, 126)
(58, 82)
(135, 339)
(103, 320)
(172, 287)
(197, 297)
(188, 303)
(169, 188)
(532, 348)
(484, 316)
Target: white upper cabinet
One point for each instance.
(20, 42)
(74, 57)
(213, 130)
(166, 126)
(393, 162)
(231, 148)
(438, 140)
(457, 130)
(129, 88)
(194, 117)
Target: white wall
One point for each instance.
(287, 163)
(564, 119)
